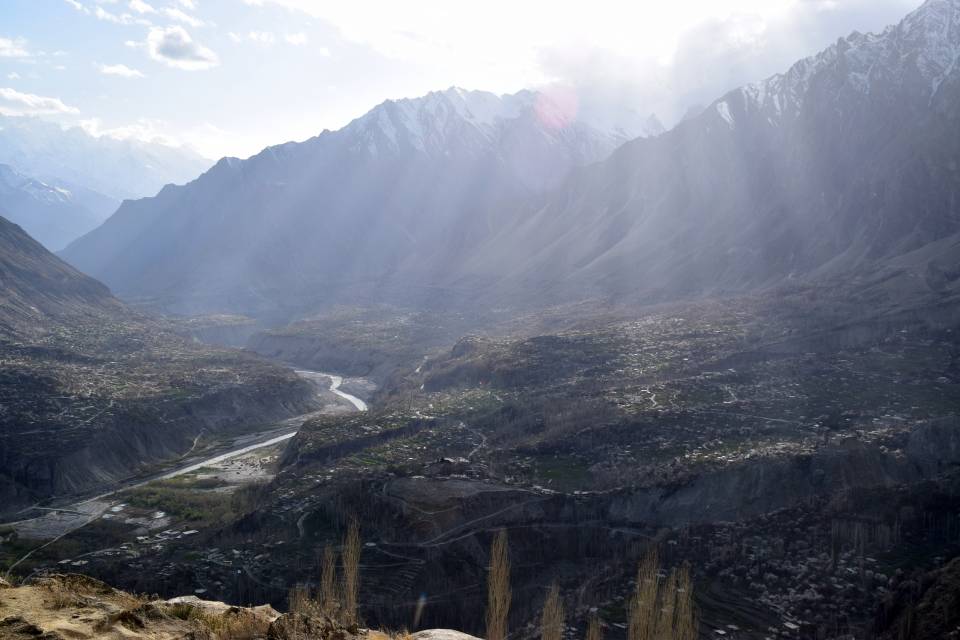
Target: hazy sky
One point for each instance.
(232, 76)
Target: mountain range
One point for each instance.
(845, 164)
(411, 184)
(60, 183)
(53, 214)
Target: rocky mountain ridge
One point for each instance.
(402, 189)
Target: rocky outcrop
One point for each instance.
(59, 606)
(62, 606)
(442, 634)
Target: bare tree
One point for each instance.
(498, 588)
(685, 617)
(668, 596)
(327, 598)
(351, 573)
(643, 605)
(662, 611)
(551, 621)
(594, 631)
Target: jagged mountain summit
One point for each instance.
(405, 189)
(53, 215)
(539, 135)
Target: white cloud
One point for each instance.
(261, 37)
(76, 5)
(714, 55)
(144, 130)
(123, 18)
(205, 138)
(296, 39)
(141, 7)
(15, 103)
(180, 16)
(174, 47)
(13, 75)
(188, 4)
(454, 43)
(267, 38)
(13, 48)
(121, 70)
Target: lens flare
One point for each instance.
(556, 107)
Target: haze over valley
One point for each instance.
(610, 328)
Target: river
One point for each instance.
(62, 520)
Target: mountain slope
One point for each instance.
(848, 160)
(402, 191)
(50, 214)
(35, 285)
(92, 392)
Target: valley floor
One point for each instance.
(805, 470)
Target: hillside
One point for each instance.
(92, 392)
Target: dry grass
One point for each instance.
(664, 614)
(231, 626)
(302, 606)
(300, 600)
(662, 611)
(498, 588)
(551, 621)
(685, 618)
(351, 573)
(61, 596)
(643, 604)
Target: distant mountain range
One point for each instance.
(846, 164)
(92, 175)
(52, 214)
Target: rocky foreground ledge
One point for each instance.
(75, 607)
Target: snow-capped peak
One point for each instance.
(425, 123)
(925, 44)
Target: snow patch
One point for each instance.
(724, 110)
